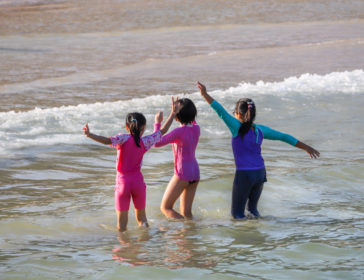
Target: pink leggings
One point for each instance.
(127, 187)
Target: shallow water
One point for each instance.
(65, 63)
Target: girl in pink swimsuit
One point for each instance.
(131, 148)
(186, 176)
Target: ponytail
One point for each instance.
(246, 108)
(135, 122)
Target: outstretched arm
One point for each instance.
(204, 93)
(309, 150)
(97, 138)
(232, 123)
(170, 137)
(272, 134)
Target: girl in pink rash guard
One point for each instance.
(184, 141)
(131, 148)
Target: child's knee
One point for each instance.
(163, 208)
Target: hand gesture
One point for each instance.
(176, 106)
(202, 88)
(312, 152)
(86, 130)
(308, 149)
(158, 117)
(204, 93)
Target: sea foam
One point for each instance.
(63, 125)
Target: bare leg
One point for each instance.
(187, 198)
(122, 220)
(141, 217)
(172, 193)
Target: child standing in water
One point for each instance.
(247, 139)
(186, 176)
(131, 148)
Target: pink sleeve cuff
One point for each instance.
(157, 126)
(152, 139)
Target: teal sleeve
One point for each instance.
(232, 123)
(272, 134)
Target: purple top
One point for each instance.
(184, 141)
(247, 151)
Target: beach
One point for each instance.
(67, 63)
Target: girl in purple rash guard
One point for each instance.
(184, 141)
(247, 139)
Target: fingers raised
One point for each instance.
(201, 87)
(86, 130)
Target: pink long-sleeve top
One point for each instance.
(184, 141)
(129, 155)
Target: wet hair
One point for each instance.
(135, 121)
(188, 111)
(246, 108)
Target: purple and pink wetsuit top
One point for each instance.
(184, 141)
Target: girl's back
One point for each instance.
(184, 140)
(129, 155)
(186, 176)
(247, 150)
(184, 151)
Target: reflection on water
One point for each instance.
(171, 248)
(238, 248)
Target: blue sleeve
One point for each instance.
(232, 123)
(272, 134)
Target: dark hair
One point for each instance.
(246, 108)
(135, 121)
(188, 111)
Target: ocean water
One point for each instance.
(67, 63)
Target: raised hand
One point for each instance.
(97, 138)
(158, 117)
(202, 88)
(86, 130)
(176, 106)
(204, 93)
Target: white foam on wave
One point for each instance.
(348, 82)
(63, 125)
